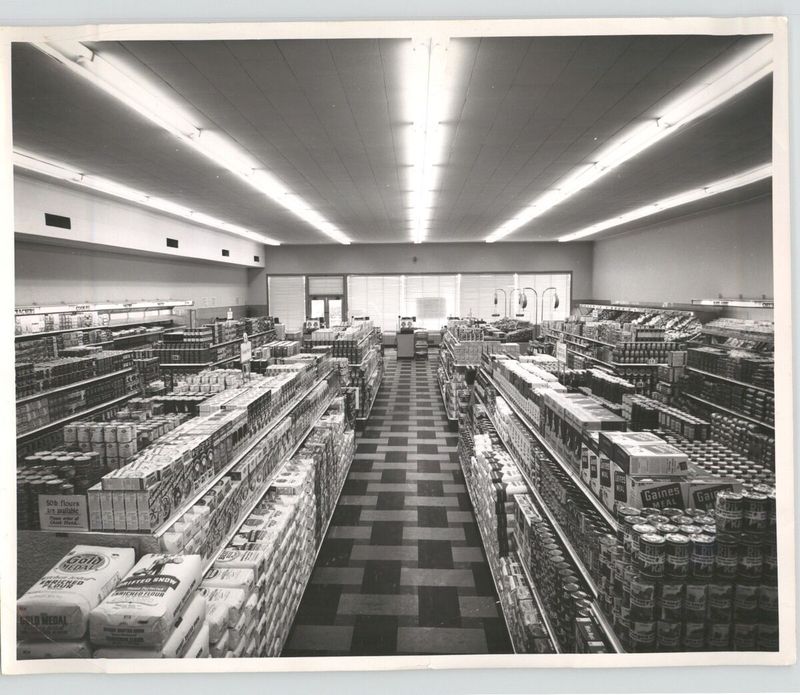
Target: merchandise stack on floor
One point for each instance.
(402, 570)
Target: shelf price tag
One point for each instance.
(63, 513)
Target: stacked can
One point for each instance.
(694, 580)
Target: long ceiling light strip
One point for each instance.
(143, 98)
(720, 86)
(429, 64)
(691, 196)
(34, 163)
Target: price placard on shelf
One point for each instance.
(63, 513)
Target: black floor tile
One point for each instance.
(319, 605)
(429, 467)
(366, 448)
(430, 488)
(355, 487)
(497, 639)
(484, 585)
(346, 515)
(435, 555)
(438, 606)
(335, 552)
(381, 577)
(472, 535)
(398, 441)
(432, 517)
(427, 448)
(387, 533)
(464, 503)
(374, 634)
(396, 457)
(391, 500)
(393, 476)
(426, 434)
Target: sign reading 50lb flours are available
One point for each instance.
(63, 513)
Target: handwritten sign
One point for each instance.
(63, 513)
(561, 352)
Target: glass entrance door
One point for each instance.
(327, 308)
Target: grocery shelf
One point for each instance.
(239, 340)
(551, 633)
(73, 385)
(566, 468)
(83, 413)
(618, 365)
(729, 379)
(110, 327)
(565, 542)
(444, 401)
(730, 411)
(188, 504)
(248, 510)
(492, 570)
(579, 337)
(365, 417)
(752, 337)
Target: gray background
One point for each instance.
(718, 679)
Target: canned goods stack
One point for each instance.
(717, 459)
(563, 593)
(745, 438)
(53, 473)
(694, 580)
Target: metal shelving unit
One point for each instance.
(729, 380)
(73, 385)
(724, 409)
(566, 468)
(544, 510)
(188, 504)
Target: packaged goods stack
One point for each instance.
(154, 612)
(53, 615)
(493, 480)
(68, 386)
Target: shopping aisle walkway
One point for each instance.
(402, 569)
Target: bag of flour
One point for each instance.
(223, 608)
(143, 608)
(53, 650)
(57, 607)
(187, 627)
(200, 648)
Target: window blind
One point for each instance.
(540, 282)
(332, 284)
(376, 296)
(287, 299)
(431, 298)
(477, 293)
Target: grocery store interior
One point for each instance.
(398, 346)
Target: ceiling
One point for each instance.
(330, 118)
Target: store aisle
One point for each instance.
(402, 569)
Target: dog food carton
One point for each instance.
(144, 607)
(57, 607)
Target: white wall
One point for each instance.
(727, 251)
(110, 223)
(48, 274)
(438, 258)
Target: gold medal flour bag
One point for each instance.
(143, 608)
(57, 607)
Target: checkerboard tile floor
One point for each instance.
(402, 569)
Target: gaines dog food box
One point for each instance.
(57, 607)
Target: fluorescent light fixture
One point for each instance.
(742, 179)
(31, 162)
(722, 84)
(117, 80)
(427, 93)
